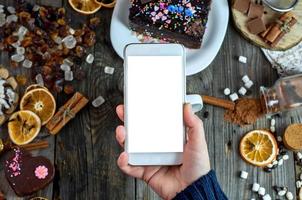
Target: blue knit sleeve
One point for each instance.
(205, 188)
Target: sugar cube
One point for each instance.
(90, 58)
(245, 79)
(267, 197)
(39, 79)
(27, 63)
(109, 70)
(261, 191)
(68, 75)
(244, 174)
(242, 59)
(249, 84)
(255, 187)
(98, 101)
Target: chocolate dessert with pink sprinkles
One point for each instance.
(176, 21)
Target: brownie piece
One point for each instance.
(176, 21)
(27, 174)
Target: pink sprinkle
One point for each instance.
(160, 14)
(168, 21)
(166, 11)
(41, 172)
(161, 5)
(153, 13)
(163, 18)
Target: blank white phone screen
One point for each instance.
(155, 96)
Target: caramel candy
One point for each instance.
(242, 5)
(256, 26)
(255, 10)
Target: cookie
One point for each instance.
(292, 137)
(27, 174)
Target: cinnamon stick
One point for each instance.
(275, 33)
(35, 145)
(281, 35)
(230, 105)
(66, 113)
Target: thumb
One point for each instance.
(194, 125)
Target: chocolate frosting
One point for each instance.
(21, 172)
(187, 17)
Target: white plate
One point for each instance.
(197, 59)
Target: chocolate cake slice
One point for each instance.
(177, 21)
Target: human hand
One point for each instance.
(167, 181)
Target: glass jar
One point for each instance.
(286, 94)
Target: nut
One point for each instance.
(12, 82)
(4, 74)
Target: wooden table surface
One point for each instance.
(85, 151)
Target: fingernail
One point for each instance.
(190, 107)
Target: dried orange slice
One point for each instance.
(34, 86)
(258, 147)
(86, 7)
(41, 102)
(23, 127)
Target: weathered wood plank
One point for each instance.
(86, 149)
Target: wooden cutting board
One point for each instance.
(289, 40)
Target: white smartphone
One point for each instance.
(155, 92)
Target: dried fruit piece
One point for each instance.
(68, 89)
(21, 79)
(23, 127)
(85, 7)
(41, 102)
(258, 147)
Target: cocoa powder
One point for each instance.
(246, 112)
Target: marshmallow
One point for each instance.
(289, 196)
(261, 191)
(273, 122)
(281, 193)
(267, 197)
(285, 157)
(273, 129)
(248, 84)
(270, 165)
(299, 155)
(242, 91)
(280, 162)
(242, 59)
(275, 162)
(255, 187)
(299, 184)
(234, 96)
(227, 91)
(244, 175)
